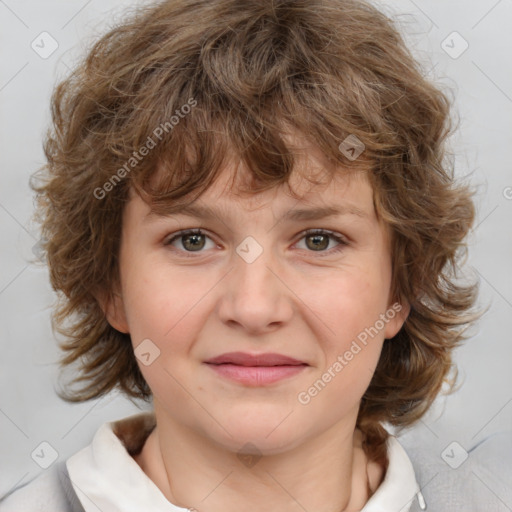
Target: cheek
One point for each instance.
(161, 309)
(350, 303)
(167, 308)
(155, 298)
(352, 348)
(352, 306)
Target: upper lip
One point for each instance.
(245, 359)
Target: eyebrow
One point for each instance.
(300, 214)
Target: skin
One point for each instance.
(294, 300)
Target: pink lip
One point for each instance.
(255, 369)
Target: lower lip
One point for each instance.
(256, 375)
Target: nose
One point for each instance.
(255, 297)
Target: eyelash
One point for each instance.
(341, 241)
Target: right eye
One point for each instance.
(190, 240)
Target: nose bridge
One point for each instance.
(252, 261)
(255, 297)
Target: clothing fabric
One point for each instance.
(104, 476)
(453, 479)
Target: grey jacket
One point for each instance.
(482, 483)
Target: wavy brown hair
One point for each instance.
(323, 68)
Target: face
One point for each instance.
(267, 324)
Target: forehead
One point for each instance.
(311, 185)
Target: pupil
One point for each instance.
(196, 243)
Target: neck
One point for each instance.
(328, 474)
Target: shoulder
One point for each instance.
(457, 477)
(52, 489)
(44, 492)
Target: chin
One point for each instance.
(261, 433)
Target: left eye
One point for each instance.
(316, 240)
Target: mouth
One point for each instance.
(255, 369)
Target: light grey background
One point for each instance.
(481, 80)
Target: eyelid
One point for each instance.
(184, 232)
(341, 239)
(322, 231)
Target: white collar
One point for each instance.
(399, 488)
(106, 477)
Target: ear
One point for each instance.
(112, 305)
(397, 314)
